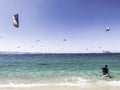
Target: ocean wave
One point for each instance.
(74, 81)
(22, 85)
(82, 83)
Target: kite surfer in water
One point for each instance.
(105, 71)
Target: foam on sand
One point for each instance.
(81, 84)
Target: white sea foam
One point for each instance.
(38, 85)
(81, 85)
(114, 83)
(74, 81)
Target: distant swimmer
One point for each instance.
(105, 71)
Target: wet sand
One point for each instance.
(63, 88)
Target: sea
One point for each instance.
(42, 69)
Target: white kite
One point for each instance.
(15, 20)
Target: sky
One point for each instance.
(60, 26)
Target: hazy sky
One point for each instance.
(81, 22)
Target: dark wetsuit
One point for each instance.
(105, 70)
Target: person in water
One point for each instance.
(105, 71)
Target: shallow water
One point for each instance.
(57, 68)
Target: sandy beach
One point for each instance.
(63, 88)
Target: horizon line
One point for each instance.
(16, 52)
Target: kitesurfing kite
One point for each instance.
(15, 20)
(64, 40)
(37, 41)
(108, 28)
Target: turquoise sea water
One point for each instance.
(56, 68)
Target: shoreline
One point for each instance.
(81, 85)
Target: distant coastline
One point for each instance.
(107, 52)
